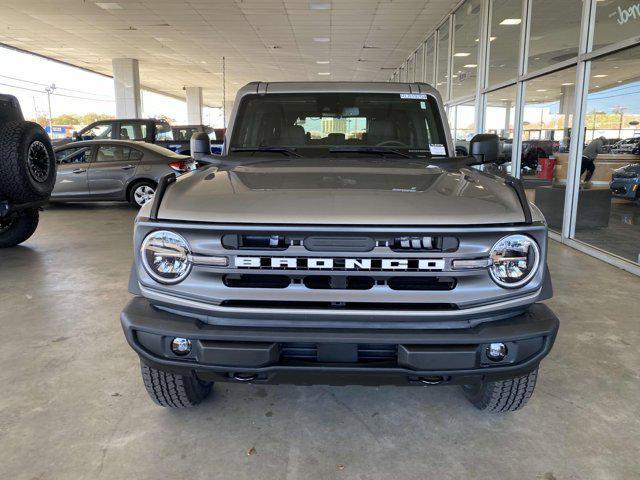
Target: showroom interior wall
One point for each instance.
(547, 76)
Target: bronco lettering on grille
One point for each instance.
(368, 264)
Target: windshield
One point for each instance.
(319, 124)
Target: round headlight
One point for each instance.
(165, 256)
(514, 261)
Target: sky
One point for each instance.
(77, 91)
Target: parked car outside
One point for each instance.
(625, 182)
(626, 145)
(114, 170)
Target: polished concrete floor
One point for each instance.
(72, 405)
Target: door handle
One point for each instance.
(79, 170)
(128, 167)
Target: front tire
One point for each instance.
(174, 391)
(504, 395)
(18, 227)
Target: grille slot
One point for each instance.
(422, 283)
(308, 352)
(256, 281)
(380, 306)
(326, 282)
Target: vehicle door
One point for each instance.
(136, 131)
(72, 166)
(103, 130)
(111, 170)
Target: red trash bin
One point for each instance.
(546, 167)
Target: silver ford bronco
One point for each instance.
(338, 240)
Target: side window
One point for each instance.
(73, 155)
(135, 155)
(98, 132)
(112, 153)
(163, 133)
(133, 131)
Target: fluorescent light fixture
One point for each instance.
(541, 90)
(323, 62)
(461, 54)
(470, 65)
(109, 5)
(511, 21)
(491, 39)
(601, 75)
(567, 84)
(321, 39)
(324, 73)
(319, 6)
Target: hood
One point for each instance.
(340, 191)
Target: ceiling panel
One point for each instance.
(181, 43)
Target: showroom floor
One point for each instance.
(73, 405)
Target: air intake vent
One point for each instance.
(421, 283)
(256, 281)
(254, 242)
(424, 244)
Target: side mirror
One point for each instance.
(200, 145)
(484, 147)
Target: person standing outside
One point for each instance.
(589, 155)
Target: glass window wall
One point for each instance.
(608, 215)
(419, 75)
(429, 58)
(499, 118)
(465, 51)
(503, 41)
(546, 134)
(442, 73)
(555, 32)
(616, 20)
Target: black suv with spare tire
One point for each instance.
(27, 173)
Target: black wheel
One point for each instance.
(504, 395)
(142, 192)
(18, 227)
(171, 390)
(27, 162)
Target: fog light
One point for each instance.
(181, 346)
(497, 352)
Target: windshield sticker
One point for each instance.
(423, 105)
(437, 149)
(414, 96)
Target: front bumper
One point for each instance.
(625, 188)
(339, 356)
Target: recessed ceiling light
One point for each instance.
(541, 90)
(461, 54)
(491, 39)
(324, 73)
(109, 5)
(470, 65)
(511, 21)
(566, 84)
(597, 86)
(504, 99)
(319, 6)
(321, 39)
(601, 75)
(322, 62)
(619, 81)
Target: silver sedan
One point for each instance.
(114, 170)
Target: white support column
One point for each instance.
(194, 105)
(126, 83)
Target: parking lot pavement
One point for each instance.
(73, 405)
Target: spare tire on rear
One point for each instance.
(27, 162)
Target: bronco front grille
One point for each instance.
(275, 304)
